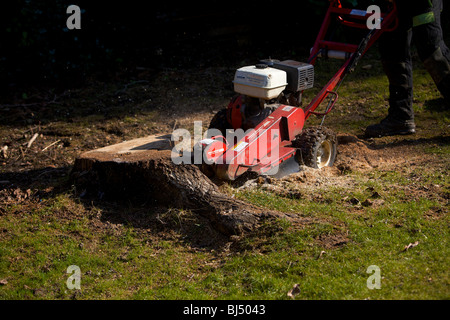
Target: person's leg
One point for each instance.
(432, 50)
(396, 60)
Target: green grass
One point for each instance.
(115, 263)
(121, 263)
(377, 237)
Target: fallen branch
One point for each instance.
(174, 125)
(31, 129)
(51, 144)
(30, 142)
(21, 154)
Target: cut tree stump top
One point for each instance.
(140, 149)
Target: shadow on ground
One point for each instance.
(141, 212)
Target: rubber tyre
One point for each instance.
(220, 122)
(316, 147)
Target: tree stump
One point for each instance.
(144, 167)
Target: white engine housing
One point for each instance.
(260, 81)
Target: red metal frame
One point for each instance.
(335, 8)
(276, 132)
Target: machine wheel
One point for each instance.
(220, 122)
(317, 147)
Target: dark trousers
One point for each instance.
(416, 25)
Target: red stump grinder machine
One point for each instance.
(267, 112)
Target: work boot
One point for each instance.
(390, 127)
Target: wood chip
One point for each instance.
(294, 291)
(411, 245)
(321, 254)
(4, 152)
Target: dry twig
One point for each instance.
(411, 245)
(30, 142)
(51, 144)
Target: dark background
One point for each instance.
(118, 37)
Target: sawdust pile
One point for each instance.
(353, 155)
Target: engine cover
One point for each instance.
(300, 75)
(260, 81)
